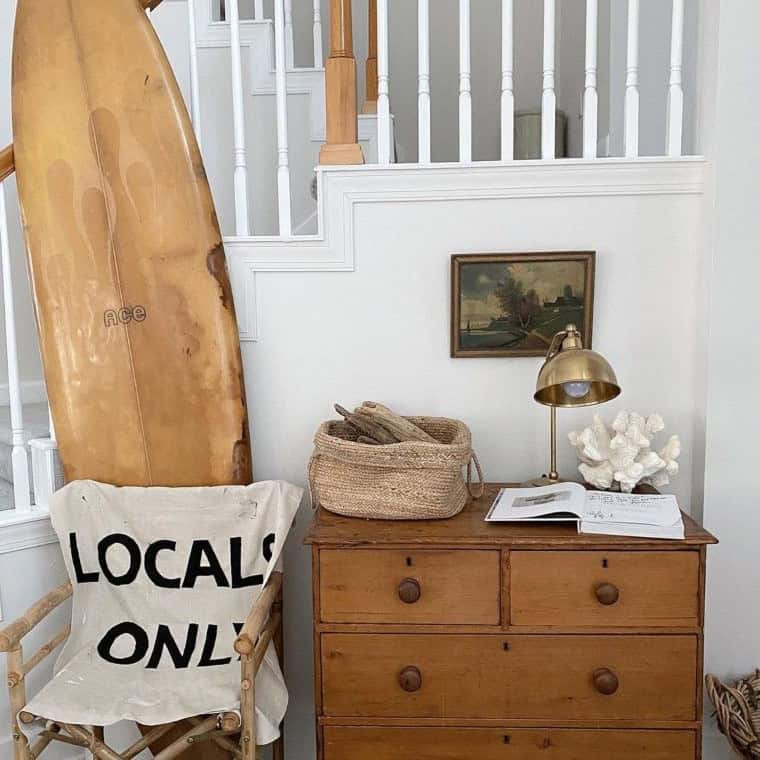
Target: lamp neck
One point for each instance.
(572, 338)
(553, 474)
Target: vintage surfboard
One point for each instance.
(137, 326)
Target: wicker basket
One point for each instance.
(412, 480)
(737, 709)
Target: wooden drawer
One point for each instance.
(538, 677)
(383, 743)
(594, 588)
(423, 587)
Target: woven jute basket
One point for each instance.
(412, 480)
(737, 709)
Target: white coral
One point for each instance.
(623, 456)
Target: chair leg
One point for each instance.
(248, 708)
(17, 700)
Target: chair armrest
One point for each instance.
(7, 164)
(11, 635)
(258, 615)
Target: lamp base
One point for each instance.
(544, 480)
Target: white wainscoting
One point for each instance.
(346, 189)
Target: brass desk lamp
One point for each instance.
(571, 376)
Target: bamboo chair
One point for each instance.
(233, 733)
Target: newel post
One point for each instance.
(342, 145)
(370, 98)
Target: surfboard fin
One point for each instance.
(7, 165)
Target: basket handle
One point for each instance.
(481, 486)
(313, 494)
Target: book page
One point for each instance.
(559, 501)
(641, 509)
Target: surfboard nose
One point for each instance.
(137, 325)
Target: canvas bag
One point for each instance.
(219, 545)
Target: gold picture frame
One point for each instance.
(511, 304)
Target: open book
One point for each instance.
(605, 512)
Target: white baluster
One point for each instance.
(319, 61)
(238, 120)
(195, 88)
(548, 97)
(632, 82)
(283, 169)
(51, 426)
(507, 81)
(675, 91)
(45, 467)
(19, 455)
(258, 10)
(290, 56)
(383, 86)
(423, 81)
(465, 87)
(590, 95)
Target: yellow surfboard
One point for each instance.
(136, 321)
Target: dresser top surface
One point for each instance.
(469, 528)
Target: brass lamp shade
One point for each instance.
(571, 376)
(576, 366)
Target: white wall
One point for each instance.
(731, 501)
(382, 333)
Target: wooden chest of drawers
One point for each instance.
(455, 639)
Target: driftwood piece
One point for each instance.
(369, 441)
(399, 427)
(366, 425)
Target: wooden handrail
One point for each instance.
(7, 164)
(342, 146)
(370, 68)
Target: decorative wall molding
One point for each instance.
(19, 531)
(342, 190)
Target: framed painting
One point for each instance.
(511, 304)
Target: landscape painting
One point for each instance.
(511, 304)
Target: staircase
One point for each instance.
(252, 159)
(268, 108)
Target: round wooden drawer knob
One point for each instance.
(410, 679)
(605, 681)
(607, 594)
(409, 590)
